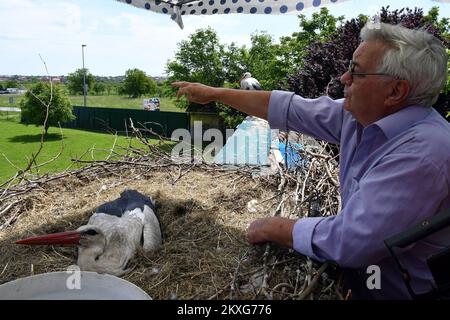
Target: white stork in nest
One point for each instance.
(249, 83)
(113, 234)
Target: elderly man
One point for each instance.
(394, 157)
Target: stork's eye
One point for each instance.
(91, 232)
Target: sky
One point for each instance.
(119, 37)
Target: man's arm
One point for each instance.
(255, 103)
(274, 229)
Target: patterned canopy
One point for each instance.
(178, 8)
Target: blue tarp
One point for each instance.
(291, 157)
(249, 145)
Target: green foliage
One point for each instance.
(112, 88)
(321, 27)
(35, 101)
(75, 81)
(230, 116)
(446, 91)
(99, 88)
(166, 90)
(443, 25)
(5, 102)
(447, 86)
(11, 83)
(137, 83)
(203, 59)
(235, 62)
(199, 59)
(263, 63)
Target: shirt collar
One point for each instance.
(399, 121)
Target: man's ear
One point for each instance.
(399, 93)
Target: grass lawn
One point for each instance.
(18, 142)
(4, 100)
(106, 101)
(115, 101)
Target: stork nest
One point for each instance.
(205, 211)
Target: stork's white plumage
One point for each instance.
(249, 83)
(113, 234)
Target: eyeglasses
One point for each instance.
(351, 70)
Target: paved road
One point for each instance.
(9, 109)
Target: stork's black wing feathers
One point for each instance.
(128, 201)
(136, 200)
(256, 86)
(110, 208)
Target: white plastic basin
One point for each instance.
(63, 286)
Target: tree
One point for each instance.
(137, 83)
(271, 62)
(34, 106)
(199, 59)
(11, 83)
(112, 88)
(442, 105)
(99, 88)
(264, 62)
(235, 63)
(321, 27)
(442, 25)
(75, 81)
(165, 89)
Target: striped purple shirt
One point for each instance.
(393, 174)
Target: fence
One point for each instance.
(163, 123)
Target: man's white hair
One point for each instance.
(413, 55)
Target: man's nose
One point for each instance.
(346, 78)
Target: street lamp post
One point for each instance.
(84, 74)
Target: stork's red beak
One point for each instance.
(62, 239)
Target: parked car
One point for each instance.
(156, 102)
(152, 104)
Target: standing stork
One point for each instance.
(113, 234)
(249, 83)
